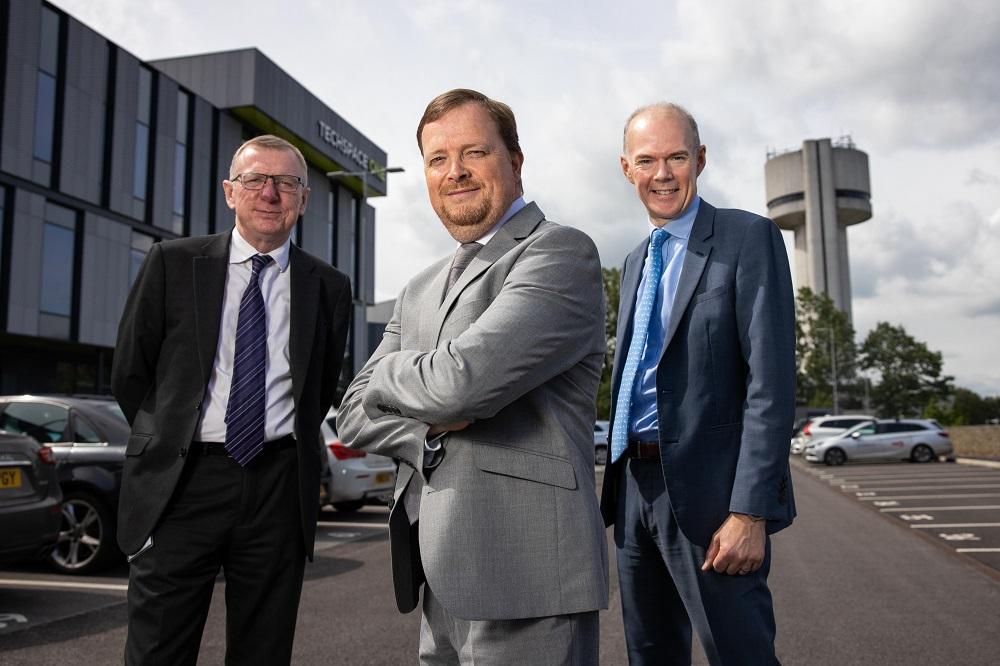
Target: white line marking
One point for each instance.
(909, 497)
(62, 584)
(978, 550)
(371, 526)
(922, 479)
(941, 487)
(950, 525)
(942, 508)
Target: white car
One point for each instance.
(821, 427)
(601, 442)
(352, 477)
(917, 440)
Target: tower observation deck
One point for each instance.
(817, 192)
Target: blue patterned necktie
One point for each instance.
(246, 408)
(643, 313)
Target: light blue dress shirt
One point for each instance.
(644, 423)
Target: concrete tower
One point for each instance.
(818, 192)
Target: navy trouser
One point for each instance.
(664, 592)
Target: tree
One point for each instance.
(825, 351)
(910, 373)
(612, 281)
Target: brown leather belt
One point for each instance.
(638, 450)
(219, 448)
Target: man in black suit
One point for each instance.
(228, 355)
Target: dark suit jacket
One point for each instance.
(167, 341)
(726, 379)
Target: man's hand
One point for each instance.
(737, 547)
(446, 427)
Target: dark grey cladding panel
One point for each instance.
(230, 138)
(251, 84)
(84, 112)
(163, 166)
(203, 181)
(19, 94)
(368, 254)
(123, 139)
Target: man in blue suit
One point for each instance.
(703, 397)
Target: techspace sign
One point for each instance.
(348, 149)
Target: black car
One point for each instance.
(29, 498)
(87, 436)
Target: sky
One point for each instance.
(915, 84)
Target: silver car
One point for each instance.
(822, 427)
(917, 440)
(601, 442)
(352, 477)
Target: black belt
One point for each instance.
(219, 448)
(639, 450)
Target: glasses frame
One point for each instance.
(274, 180)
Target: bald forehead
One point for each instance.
(653, 115)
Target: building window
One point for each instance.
(331, 226)
(56, 299)
(180, 161)
(45, 93)
(141, 244)
(140, 171)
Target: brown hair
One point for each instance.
(270, 142)
(499, 112)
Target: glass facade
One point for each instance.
(55, 302)
(144, 114)
(141, 243)
(45, 94)
(180, 162)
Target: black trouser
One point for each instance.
(244, 521)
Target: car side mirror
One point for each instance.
(856, 435)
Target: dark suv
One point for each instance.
(88, 437)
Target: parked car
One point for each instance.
(601, 442)
(821, 427)
(30, 498)
(351, 477)
(917, 440)
(87, 437)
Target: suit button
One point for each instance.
(183, 452)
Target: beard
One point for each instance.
(467, 223)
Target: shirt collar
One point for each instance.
(240, 250)
(680, 227)
(515, 207)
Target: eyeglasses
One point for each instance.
(255, 181)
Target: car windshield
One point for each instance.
(865, 428)
(112, 409)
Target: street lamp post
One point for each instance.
(833, 367)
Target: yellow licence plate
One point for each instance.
(383, 477)
(10, 478)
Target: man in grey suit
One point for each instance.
(703, 393)
(484, 389)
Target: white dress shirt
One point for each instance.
(276, 290)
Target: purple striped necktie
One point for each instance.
(247, 405)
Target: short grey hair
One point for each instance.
(270, 142)
(668, 107)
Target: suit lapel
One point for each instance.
(507, 237)
(699, 248)
(631, 275)
(305, 288)
(209, 289)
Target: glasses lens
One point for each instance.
(252, 181)
(286, 183)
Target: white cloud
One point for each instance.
(914, 83)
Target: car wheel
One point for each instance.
(86, 536)
(835, 457)
(350, 506)
(601, 455)
(922, 453)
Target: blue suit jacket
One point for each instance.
(726, 379)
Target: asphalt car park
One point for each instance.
(31, 595)
(954, 504)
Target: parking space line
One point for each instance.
(371, 526)
(979, 478)
(10, 582)
(909, 497)
(977, 550)
(940, 508)
(945, 487)
(935, 526)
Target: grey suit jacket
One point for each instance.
(726, 378)
(167, 340)
(509, 525)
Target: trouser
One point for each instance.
(559, 640)
(244, 521)
(664, 592)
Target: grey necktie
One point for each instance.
(463, 257)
